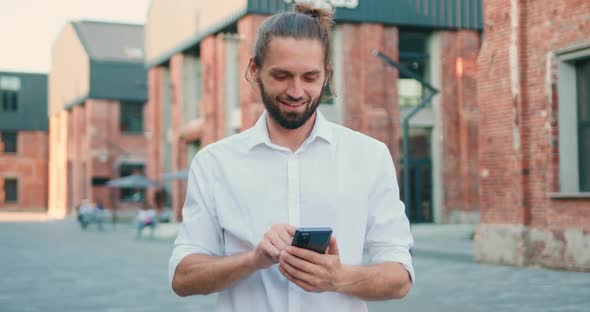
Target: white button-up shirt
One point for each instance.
(238, 187)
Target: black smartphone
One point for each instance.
(316, 239)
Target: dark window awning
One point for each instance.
(132, 181)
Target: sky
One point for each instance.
(28, 28)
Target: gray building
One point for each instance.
(97, 94)
(23, 141)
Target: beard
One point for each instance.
(288, 120)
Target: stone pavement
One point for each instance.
(54, 266)
(451, 241)
(448, 279)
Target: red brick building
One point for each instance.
(197, 55)
(23, 141)
(97, 92)
(534, 141)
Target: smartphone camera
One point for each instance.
(304, 239)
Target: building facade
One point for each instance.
(197, 54)
(23, 141)
(97, 94)
(534, 141)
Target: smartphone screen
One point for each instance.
(316, 239)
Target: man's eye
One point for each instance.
(310, 78)
(279, 77)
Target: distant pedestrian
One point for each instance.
(146, 217)
(86, 213)
(99, 214)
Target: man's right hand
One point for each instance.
(277, 239)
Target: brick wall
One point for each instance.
(153, 125)
(458, 107)
(369, 94)
(179, 160)
(518, 138)
(86, 142)
(212, 128)
(213, 105)
(29, 167)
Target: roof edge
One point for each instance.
(29, 73)
(75, 102)
(196, 38)
(110, 22)
(81, 38)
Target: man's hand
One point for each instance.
(277, 239)
(310, 270)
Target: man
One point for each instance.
(248, 193)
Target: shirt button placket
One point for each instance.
(293, 185)
(294, 213)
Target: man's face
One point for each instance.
(291, 80)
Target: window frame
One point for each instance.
(16, 197)
(124, 113)
(124, 192)
(583, 125)
(4, 98)
(570, 161)
(3, 138)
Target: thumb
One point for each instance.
(333, 247)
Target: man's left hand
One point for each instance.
(312, 271)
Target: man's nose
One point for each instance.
(295, 90)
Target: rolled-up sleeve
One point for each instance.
(199, 231)
(388, 236)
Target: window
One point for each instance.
(10, 142)
(131, 120)
(583, 88)
(573, 89)
(9, 100)
(9, 88)
(410, 92)
(134, 53)
(413, 56)
(131, 194)
(10, 190)
(99, 181)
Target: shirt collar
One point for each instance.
(321, 129)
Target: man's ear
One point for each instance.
(252, 68)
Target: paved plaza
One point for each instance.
(54, 266)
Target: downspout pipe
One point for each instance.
(406, 121)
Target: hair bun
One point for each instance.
(323, 15)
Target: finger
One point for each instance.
(277, 241)
(299, 263)
(270, 250)
(306, 286)
(333, 247)
(291, 229)
(308, 255)
(285, 237)
(298, 274)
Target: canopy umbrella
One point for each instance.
(132, 181)
(176, 175)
